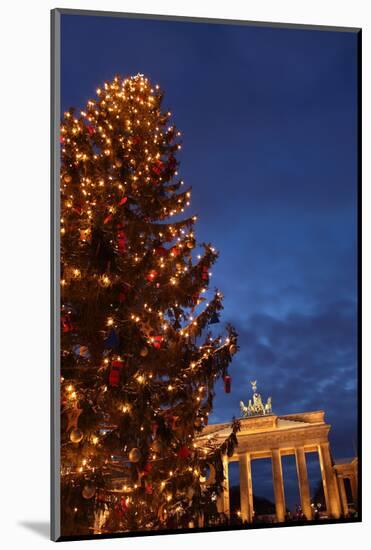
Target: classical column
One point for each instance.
(343, 495)
(301, 467)
(279, 493)
(223, 499)
(330, 487)
(246, 497)
(354, 488)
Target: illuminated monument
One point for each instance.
(266, 435)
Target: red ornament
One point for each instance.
(151, 275)
(175, 251)
(146, 470)
(123, 201)
(148, 488)
(227, 383)
(121, 241)
(157, 341)
(160, 251)
(157, 168)
(184, 452)
(91, 130)
(114, 375)
(108, 218)
(122, 507)
(67, 325)
(205, 273)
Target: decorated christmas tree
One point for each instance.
(139, 361)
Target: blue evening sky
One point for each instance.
(268, 118)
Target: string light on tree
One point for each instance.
(143, 387)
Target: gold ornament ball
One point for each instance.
(88, 491)
(104, 281)
(144, 352)
(118, 163)
(135, 455)
(76, 435)
(190, 244)
(67, 178)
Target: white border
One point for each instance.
(24, 134)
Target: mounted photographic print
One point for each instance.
(205, 275)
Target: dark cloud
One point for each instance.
(305, 362)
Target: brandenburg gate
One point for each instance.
(267, 435)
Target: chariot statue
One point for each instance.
(256, 407)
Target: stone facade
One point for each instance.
(273, 436)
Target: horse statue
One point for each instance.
(268, 406)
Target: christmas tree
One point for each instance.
(138, 361)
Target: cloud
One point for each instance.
(305, 362)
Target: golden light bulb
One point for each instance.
(105, 280)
